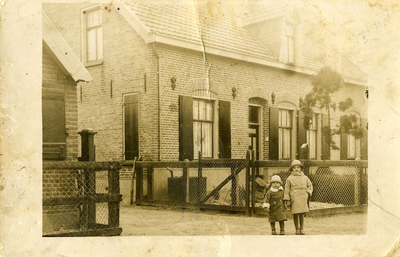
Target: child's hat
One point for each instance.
(296, 163)
(275, 178)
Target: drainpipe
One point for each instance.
(159, 99)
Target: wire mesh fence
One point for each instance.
(237, 185)
(81, 198)
(335, 183)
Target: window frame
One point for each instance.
(201, 121)
(84, 36)
(291, 129)
(353, 140)
(290, 43)
(308, 135)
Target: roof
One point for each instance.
(63, 52)
(220, 29)
(318, 53)
(315, 50)
(214, 27)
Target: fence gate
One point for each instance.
(225, 184)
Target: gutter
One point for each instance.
(159, 98)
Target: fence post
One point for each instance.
(199, 176)
(150, 175)
(253, 179)
(87, 145)
(113, 207)
(91, 190)
(357, 183)
(185, 181)
(247, 207)
(234, 186)
(139, 182)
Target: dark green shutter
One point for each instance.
(326, 148)
(273, 133)
(185, 128)
(302, 133)
(343, 143)
(53, 128)
(224, 129)
(364, 139)
(131, 127)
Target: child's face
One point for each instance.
(296, 168)
(275, 185)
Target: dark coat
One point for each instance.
(276, 207)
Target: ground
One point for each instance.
(166, 221)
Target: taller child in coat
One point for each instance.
(298, 189)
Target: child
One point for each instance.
(298, 189)
(273, 202)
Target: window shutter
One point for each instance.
(185, 128)
(224, 129)
(364, 139)
(273, 133)
(54, 136)
(326, 148)
(302, 136)
(343, 144)
(131, 127)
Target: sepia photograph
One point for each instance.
(225, 125)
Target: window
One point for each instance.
(203, 121)
(285, 133)
(353, 149)
(53, 125)
(312, 136)
(131, 128)
(288, 47)
(92, 36)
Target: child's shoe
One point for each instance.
(302, 232)
(282, 232)
(297, 231)
(273, 232)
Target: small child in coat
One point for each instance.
(298, 190)
(273, 202)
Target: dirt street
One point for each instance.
(163, 221)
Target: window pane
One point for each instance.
(89, 19)
(280, 143)
(253, 114)
(312, 142)
(96, 18)
(288, 119)
(195, 109)
(196, 139)
(286, 143)
(207, 140)
(290, 49)
(99, 43)
(202, 112)
(209, 111)
(284, 118)
(351, 147)
(91, 45)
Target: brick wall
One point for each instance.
(126, 60)
(61, 183)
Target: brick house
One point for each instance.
(172, 80)
(62, 70)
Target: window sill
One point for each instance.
(93, 63)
